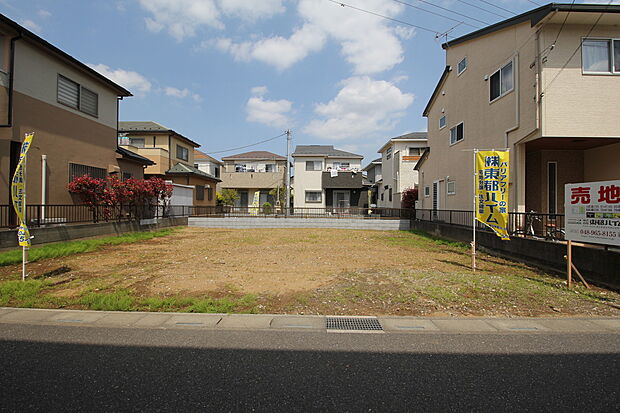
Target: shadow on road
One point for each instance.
(76, 377)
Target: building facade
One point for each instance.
(328, 177)
(544, 85)
(256, 174)
(172, 155)
(399, 157)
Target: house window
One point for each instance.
(462, 65)
(76, 170)
(182, 153)
(427, 191)
(390, 195)
(388, 153)
(137, 142)
(314, 166)
(342, 165)
(78, 97)
(601, 55)
(313, 196)
(217, 171)
(382, 197)
(442, 122)
(240, 167)
(209, 193)
(451, 187)
(270, 167)
(416, 151)
(501, 82)
(456, 134)
(200, 193)
(126, 176)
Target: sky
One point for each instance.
(231, 73)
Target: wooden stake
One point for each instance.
(569, 263)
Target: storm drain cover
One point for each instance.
(353, 323)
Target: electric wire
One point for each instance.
(482, 8)
(435, 32)
(576, 50)
(247, 146)
(437, 14)
(498, 7)
(563, 23)
(455, 12)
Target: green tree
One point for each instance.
(227, 196)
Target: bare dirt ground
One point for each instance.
(312, 271)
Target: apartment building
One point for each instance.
(254, 173)
(545, 85)
(71, 109)
(327, 177)
(399, 157)
(172, 155)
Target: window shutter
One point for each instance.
(89, 102)
(68, 92)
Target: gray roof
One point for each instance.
(323, 150)
(372, 164)
(126, 153)
(412, 135)
(181, 168)
(150, 126)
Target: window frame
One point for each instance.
(499, 71)
(445, 122)
(427, 191)
(80, 94)
(200, 192)
(314, 163)
(458, 66)
(186, 159)
(131, 142)
(611, 42)
(320, 200)
(92, 171)
(453, 192)
(455, 127)
(388, 153)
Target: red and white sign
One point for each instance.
(592, 212)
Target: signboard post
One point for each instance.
(18, 195)
(592, 215)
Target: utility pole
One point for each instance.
(288, 172)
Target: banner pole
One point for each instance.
(24, 252)
(569, 263)
(473, 243)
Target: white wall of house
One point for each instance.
(308, 181)
(398, 172)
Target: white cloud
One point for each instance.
(362, 108)
(132, 81)
(44, 14)
(268, 112)
(182, 18)
(367, 42)
(32, 26)
(182, 93)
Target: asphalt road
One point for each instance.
(62, 368)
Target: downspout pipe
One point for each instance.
(43, 186)
(11, 79)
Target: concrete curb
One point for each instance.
(308, 323)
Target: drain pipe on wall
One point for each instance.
(43, 185)
(515, 127)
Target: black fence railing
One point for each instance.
(521, 224)
(328, 212)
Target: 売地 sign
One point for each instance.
(592, 212)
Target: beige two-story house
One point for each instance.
(173, 157)
(71, 109)
(399, 157)
(328, 177)
(546, 86)
(254, 175)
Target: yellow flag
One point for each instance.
(18, 192)
(492, 168)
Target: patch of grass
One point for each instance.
(62, 249)
(120, 300)
(165, 303)
(22, 293)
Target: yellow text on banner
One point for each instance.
(492, 168)
(18, 192)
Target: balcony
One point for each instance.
(344, 179)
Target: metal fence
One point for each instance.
(46, 215)
(522, 224)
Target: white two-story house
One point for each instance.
(327, 177)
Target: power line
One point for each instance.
(563, 23)
(576, 50)
(498, 7)
(481, 8)
(533, 2)
(452, 11)
(436, 14)
(435, 32)
(247, 146)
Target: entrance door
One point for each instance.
(243, 198)
(436, 197)
(342, 199)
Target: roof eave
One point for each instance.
(442, 79)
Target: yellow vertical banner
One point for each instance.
(18, 192)
(492, 169)
(255, 204)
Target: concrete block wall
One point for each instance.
(249, 222)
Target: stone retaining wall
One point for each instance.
(341, 223)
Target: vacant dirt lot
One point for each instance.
(320, 271)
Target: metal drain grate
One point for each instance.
(353, 323)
